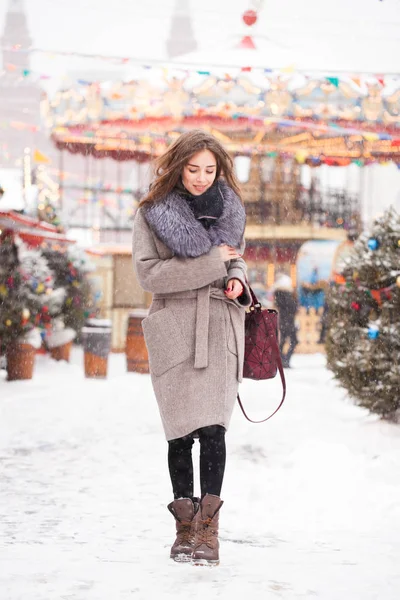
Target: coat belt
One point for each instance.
(203, 296)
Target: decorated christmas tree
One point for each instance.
(27, 298)
(16, 310)
(363, 341)
(70, 270)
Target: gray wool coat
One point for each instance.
(194, 334)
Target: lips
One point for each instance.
(199, 188)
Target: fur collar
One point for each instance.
(174, 223)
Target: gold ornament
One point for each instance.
(40, 288)
(398, 281)
(26, 313)
(3, 290)
(8, 322)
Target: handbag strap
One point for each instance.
(255, 302)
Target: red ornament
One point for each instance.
(249, 17)
(45, 309)
(355, 306)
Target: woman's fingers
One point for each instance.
(233, 252)
(228, 253)
(237, 287)
(234, 289)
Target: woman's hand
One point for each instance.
(234, 289)
(228, 253)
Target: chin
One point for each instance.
(197, 192)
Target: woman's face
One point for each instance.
(199, 173)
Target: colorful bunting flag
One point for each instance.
(39, 157)
(334, 81)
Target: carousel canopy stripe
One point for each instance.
(331, 155)
(317, 143)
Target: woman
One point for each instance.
(187, 241)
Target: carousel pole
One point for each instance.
(361, 199)
(95, 202)
(103, 178)
(119, 200)
(27, 175)
(138, 180)
(89, 190)
(86, 190)
(61, 183)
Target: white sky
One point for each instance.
(355, 35)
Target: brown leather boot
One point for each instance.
(184, 511)
(206, 545)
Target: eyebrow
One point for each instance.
(207, 167)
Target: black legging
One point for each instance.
(212, 462)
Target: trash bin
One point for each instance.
(96, 344)
(137, 359)
(93, 322)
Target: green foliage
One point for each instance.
(70, 274)
(24, 281)
(363, 341)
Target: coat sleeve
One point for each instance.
(238, 270)
(174, 274)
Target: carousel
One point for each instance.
(274, 122)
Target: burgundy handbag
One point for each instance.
(262, 358)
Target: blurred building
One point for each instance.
(19, 95)
(181, 38)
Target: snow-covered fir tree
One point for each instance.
(363, 341)
(70, 270)
(27, 295)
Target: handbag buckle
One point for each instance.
(255, 307)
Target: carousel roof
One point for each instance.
(252, 110)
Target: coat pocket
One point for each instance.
(164, 340)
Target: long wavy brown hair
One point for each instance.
(168, 167)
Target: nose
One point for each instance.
(201, 177)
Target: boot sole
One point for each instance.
(181, 558)
(202, 562)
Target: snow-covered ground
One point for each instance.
(312, 497)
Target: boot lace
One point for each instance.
(205, 533)
(185, 535)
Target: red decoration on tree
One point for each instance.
(355, 306)
(249, 17)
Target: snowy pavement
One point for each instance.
(312, 497)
